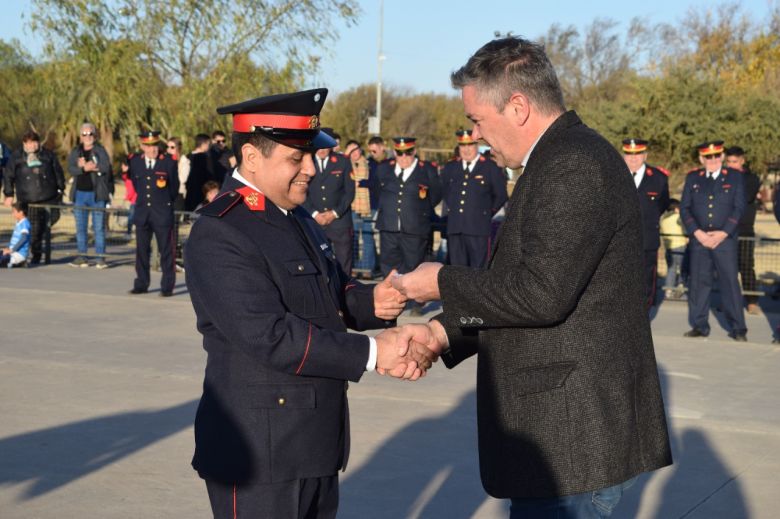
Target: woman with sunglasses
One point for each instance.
(174, 149)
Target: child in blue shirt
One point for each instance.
(15, 255)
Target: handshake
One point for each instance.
(407, 352)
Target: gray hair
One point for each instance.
(91, 126)
(505, 66)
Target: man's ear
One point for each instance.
(518, 108)
(250, 158)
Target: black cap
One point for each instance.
(149, 137)
(710, 148)
(464, 137)
(289, 119)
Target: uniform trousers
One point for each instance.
(651, 274)
(724, 259)
(401, 251)
(747, 267)
(468, 250)
(311, 498)
(341, 237)
(165, 243)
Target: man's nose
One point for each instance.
(475, 133)
(307, 166)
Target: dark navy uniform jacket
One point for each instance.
(653, 202)
(407, 206)
(157, 188)
(712, 206)
(273, 311)
(332, 190)
(472, 199)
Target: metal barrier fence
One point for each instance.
(58, 224)
(758, 254)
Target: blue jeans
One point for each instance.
(674, 267)
(590, 505)
(365, 229)
(87, 199)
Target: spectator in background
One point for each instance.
(130, 197)
(15, 255)
(331, 192)
(221, 157)
(200, 172)
(735, 159)
(5, 154)
(35, 176)
(377, 154)
(675, 244)
(361, 207)
(210, 191)
(174, 149)
(92, 189)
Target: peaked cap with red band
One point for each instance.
(464, 137)
(150, 137)
(634, 146)
(710, 148)
(404, 143)
(289, 119)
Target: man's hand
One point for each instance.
(321, 219)
(330, 217)
(388, 302)
(6, 250)
(408, 362)
(90, 167)
(704, 238)
(716, 238)
(422, 284)
(81, 162)
(432, 335)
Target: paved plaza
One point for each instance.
(98, 391)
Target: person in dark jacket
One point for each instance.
(331, 193)
(474, 190)
(92, 189)
(156, 180)
(569, 404)
(735, 159)
(652, 185)
(35, 176)
(273, 306)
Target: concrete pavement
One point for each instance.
(99, 388)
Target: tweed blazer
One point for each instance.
(568, 395)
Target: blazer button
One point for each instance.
(479, 321)
(463, 320)
(341, 314)
(282, 401)
(301, 268)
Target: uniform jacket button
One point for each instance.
(282, 401)
(341, 314)
(301, 268)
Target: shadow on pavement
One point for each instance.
(428, 469)
(696, 475)
(54, 457)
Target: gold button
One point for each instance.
(710, 206)
(460, 210)
(399, 209)
(301, 268)
(282, 401)
(324, 198)
(402, 184)
(462, 192)
(465, 183)
(341, 314)
(462, 202)
(711, 197)
(710, 215)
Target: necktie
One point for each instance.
(323, 162)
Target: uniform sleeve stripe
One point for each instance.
(305, 353)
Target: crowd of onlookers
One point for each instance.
(357, 196)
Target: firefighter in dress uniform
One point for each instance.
(712, 204)
(474, 189)
(652, 184)
(155, 179)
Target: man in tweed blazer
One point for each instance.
(568, 399)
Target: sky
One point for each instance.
(424, 41)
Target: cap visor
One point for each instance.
(322, 140)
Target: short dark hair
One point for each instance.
(352, 141)
(201, 139)
(376, 139)
(735, 151)
(20, 206)
(262, 143)
(217, 133)
(505, 66)
(31, 135)
(673, 204)
(208, 186)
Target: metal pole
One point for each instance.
(380, 58)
